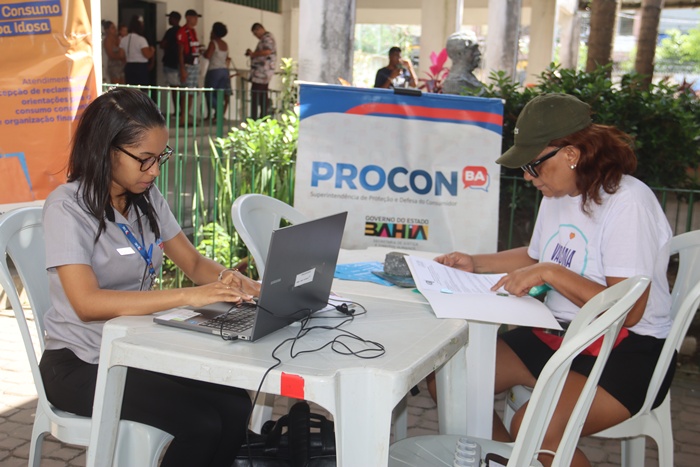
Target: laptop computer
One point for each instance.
(297, 281)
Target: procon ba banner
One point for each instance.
(47, 78)
(415, 172)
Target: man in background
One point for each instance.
(262, 68)
(171, 60)
(398, 74)
(188, 57)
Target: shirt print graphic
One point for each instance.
(567, 247)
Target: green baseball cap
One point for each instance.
(543, 119)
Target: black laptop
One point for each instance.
(297, 281)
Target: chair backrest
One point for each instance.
(22, 241)
(255, 216)
(685, 300)
(603, 315)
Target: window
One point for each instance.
(267, 5)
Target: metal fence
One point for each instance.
(190, 115)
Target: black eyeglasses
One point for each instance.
(147, 163)
(530, 166)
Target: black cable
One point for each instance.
(336, 344)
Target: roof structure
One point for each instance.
(637, 4)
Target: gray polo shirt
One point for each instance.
(69, 235)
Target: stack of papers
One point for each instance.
(453, 293)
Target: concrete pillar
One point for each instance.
(541, 48)
(438, 21)
(287, 28)
(459, 14)
(569, 33)
(502, 39)
(326, 40)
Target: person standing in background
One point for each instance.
(262, 68)
(115, 57)
(138, 52)
(171, 60)
(188, 57)
(217, 76)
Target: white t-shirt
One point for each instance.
(627, 234)
(132, 44)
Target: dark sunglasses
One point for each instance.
(530, 166)
(147, 163)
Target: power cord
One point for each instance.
(338, 344)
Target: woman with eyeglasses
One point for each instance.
(597, 225)
(107, 229)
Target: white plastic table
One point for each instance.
(360, 394)
(480, 354)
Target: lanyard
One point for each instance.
(146, 255)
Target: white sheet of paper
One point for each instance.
(453, 293)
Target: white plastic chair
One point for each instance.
(590, 323)
(22, 240)
(255, 216)
(654, 423)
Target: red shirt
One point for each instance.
(187, 38)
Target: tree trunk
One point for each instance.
(603, 22)
(646, 42)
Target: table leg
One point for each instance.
(481, 377)
(363, 419)
(106, 408)
(451, 379)
(105, 418)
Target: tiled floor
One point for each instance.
(18, 399)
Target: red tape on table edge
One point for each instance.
(292, 386)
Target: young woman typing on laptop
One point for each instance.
(106, 232)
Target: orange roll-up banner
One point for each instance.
(47, 78)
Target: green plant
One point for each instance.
(259, 157)
(437, 74)
(679, 51)
(289, 95)
(216, 243)
(663, 120)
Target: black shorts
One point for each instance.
(626, 374)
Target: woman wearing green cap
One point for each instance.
(597, 225)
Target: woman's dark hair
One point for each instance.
(120, 117)
(106, 24)
(219, 29)
(606, 155)
(136, 25)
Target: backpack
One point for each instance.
(298, 439)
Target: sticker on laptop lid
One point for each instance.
(179, 314)
(304, 277)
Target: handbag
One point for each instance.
(298, 439)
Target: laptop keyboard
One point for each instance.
(238, 320)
